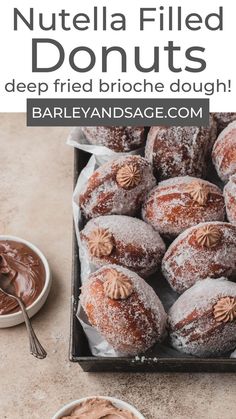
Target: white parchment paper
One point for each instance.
(98, 345)
(78, 140)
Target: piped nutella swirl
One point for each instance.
(26, 273)
(99, 409)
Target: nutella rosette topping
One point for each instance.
(225, 310)
(100, 242)
(198, 191)
(117, 286)
(128, 176)
(208, 235)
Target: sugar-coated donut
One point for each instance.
(224, 152)
(124, 309)
(202, 322)
(179, 151)
(230, 199)
(117, 187)
(125, 241)
(205, 250)
(118, 139)
(223, 119)
(178, 203)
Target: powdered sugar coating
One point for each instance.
(103, 195)
(178, 151)
(118, 139)
(132, 325)
(170, 209)
(230, 199)
(187, 262)
(137, 246)
(192, 326)
(224, 152)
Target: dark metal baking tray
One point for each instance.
(154, 360)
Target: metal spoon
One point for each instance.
(7, 288)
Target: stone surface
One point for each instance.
(35, 190)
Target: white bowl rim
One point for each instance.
(46, 267)
(125, 405)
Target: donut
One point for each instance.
(223, 119)
(205, 250)
(230, 199)
(125, 241)
(118, 139)
(202, 322)
(179, 151)
(224, 152)
(124, 309)
(181, 202)
(117, 187)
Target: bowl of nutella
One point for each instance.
(29, 273)
(98, 408)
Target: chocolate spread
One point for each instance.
(99, 409)
(26, 271)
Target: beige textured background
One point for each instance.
(35, 203)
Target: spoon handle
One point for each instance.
(36, 348)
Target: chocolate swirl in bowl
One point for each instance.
(26, 272)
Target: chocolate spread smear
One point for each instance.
(26, 272)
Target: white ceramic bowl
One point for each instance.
(67, 409)
(13, 319)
